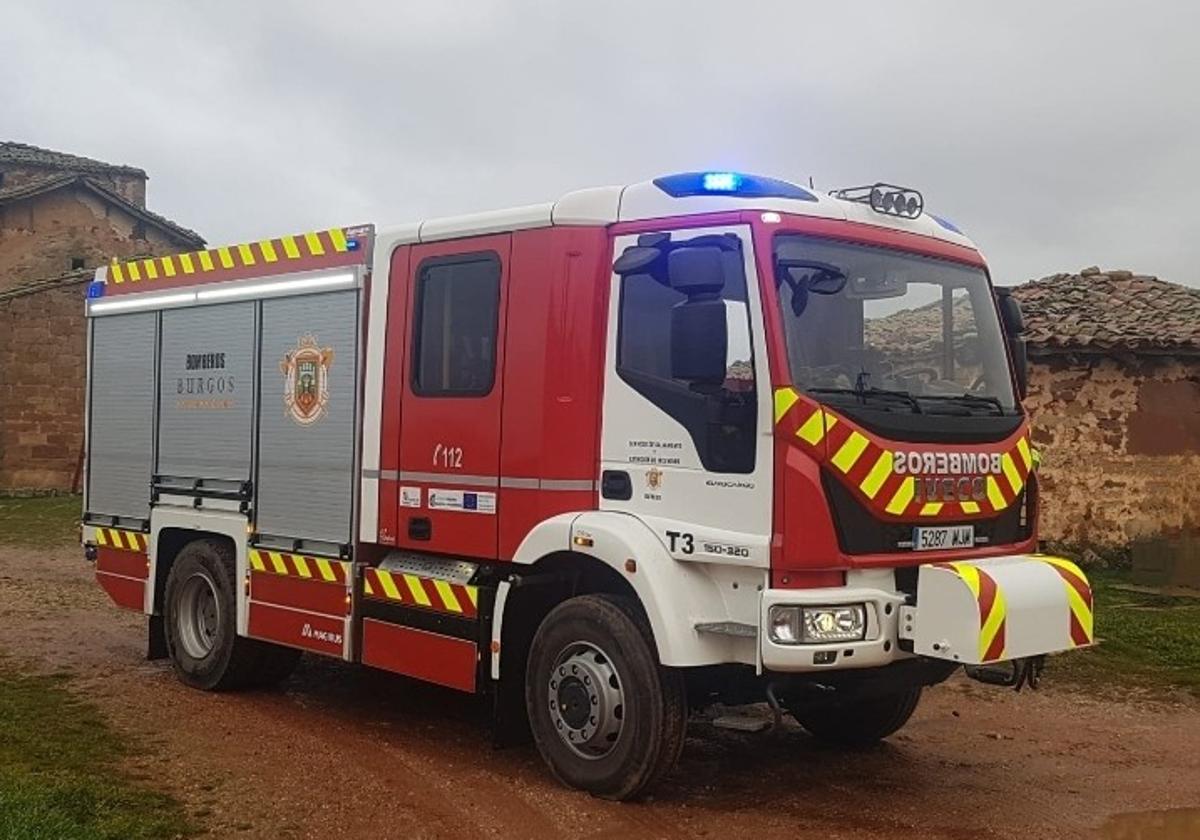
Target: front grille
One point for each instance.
(859, 532)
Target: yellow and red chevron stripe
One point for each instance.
(304, 566)
(121, 539)
(865, 463)
(416, 591)
(1079, 596)
(285, 253)
(993, 612)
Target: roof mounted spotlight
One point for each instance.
(885, 198)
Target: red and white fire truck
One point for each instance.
(713, 437)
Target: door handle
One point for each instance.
(616, 484)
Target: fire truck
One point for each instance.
(710, 438)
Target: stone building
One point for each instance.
(1115, 395)
(60, 216)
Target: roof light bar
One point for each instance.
(738, 184)
(135, 302)
(904, 202)
(229, 291)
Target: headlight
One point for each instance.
(792, 625)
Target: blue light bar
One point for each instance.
(722, 181)
(947, 224)
(95, 290)
(686, 184)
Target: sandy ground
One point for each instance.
(347, 752)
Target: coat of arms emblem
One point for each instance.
(306, 380)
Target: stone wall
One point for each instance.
(1120, 446)
(42, 368)
(50, 235)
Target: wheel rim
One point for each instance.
(587, 700)
(199, 615)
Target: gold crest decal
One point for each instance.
(306, 380)
(654, 478)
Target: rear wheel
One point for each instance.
(858, 722)
(200, 620)
(606, 717)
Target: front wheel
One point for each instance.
(606, 717)
(860, 721)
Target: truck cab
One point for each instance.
(710, 437)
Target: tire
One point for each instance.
(200, 620)
(595, 652)
(859, 722)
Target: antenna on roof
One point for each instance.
(811, 186)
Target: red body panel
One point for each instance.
(393, 383)
(299, 593)
(126, 563)
(125, 592)
(297, 628)
(420, 654)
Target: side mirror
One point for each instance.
(636, 260)
(1014, 324)
(697, 271)
(699, 341)
(1010, 312)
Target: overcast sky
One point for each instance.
(1056, 134)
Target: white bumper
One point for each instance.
(971, 612)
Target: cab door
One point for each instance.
(450, 425)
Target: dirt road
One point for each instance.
(346, 752)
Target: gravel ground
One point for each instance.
(347, 752)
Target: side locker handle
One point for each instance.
(616, 484)
(420, 528)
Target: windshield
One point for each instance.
(890, 330)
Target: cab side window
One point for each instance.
(455, 325)
(718, 415)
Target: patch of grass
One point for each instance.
(60, 774)
(39, 520)
(1146, 640)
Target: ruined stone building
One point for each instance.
(1115, 395)
(60, 216)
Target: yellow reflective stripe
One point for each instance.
(100, 538)
(168, 267)
(289, 247)
(473, 594)
(185, 260)
(326, 570)
(849, 452)
(969, 575)
(970, 507)
(134, 274)
(225, 257)
(813, 429)
(206, 263)
(114, 537)
(447, 595)
(151, 269)
(830, 421)
(277, 562)
(901, 497)
(367, 588)
(256, 561)
(338, 238)
(115, 273)
(994, 495)
(1080, 608)
(785, 398)
(878, 475)
(1026, 455)
(301, 564)
(1010, 472)
(268, 251)
(418, 591)
(314, 244)
(991, 626)
(388, 583)
(246, 254)
(931, 508)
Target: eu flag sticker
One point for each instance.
(470, 501)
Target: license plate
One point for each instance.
(945, 536)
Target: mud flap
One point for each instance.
(999, 609)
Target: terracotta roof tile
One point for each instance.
(1109, 311)
(24, 154)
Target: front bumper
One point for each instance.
(967, 612)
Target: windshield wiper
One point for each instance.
(878, 393)
(969, 400)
